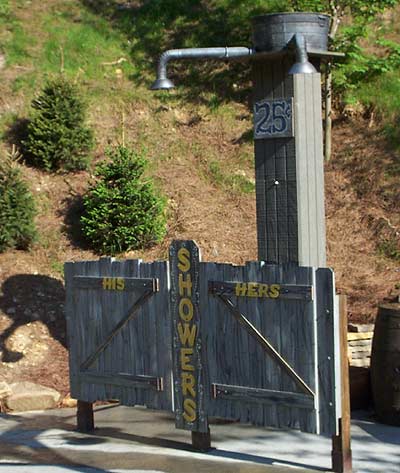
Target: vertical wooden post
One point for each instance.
(201, 440)
(84, 416)
(289, 166)
(341, 443)
(188, 366)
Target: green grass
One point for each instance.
(73, 40)
(383, 96)
(390, 249)
(228, 179)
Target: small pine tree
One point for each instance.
(17, 209)
(122, 211)
(57, 137)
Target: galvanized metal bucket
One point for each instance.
(273, 32)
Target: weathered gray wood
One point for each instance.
(275, 172)
(270, 320)
(112, 283)
(303, 324)
(293, 330)
(234, 358)
(259, 290)
(229, 355)
(141, 348)
(325, 288)
(70, 307)
(122, 379)
(163, 331)
(114, 331)
(264, 343)
(289, 171)
(309, 170)
(267, 396)
(187, 343)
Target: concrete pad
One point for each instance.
(137, 440)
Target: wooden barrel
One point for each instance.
(385, 364)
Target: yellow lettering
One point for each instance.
(263, 290)
(120, 284)
(187, 334)
(185, 359)
(240, 289)
(189, 408)
(252, 289)
(274, 291)
(186, 309)
(108, 283)
(184, 260)
(185, 284)
(188, 383)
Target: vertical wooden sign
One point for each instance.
(187, 360)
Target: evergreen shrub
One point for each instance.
(122, 210)
(17, 208)
(57, 136)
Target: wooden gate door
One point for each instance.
(268, 341)
(119, 332)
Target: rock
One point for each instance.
(5, 390)
(361, 328)
(27, 396)
(68, 401)
(361, 363)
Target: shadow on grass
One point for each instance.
(73, 210)
(16, 134)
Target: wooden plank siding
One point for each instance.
(289, 171)
(234, 358)
(275, 167)
(187, 349)
(309, 170)
(135, 366)
(270, 360)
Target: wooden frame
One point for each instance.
(341, 443)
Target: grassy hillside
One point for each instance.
(199, 142)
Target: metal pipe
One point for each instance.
(163, 82)
(302, 64)
(297, 43)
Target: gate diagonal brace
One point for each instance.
(265, 344)
(132, 312)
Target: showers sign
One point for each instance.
(188, 382)
(273, 118)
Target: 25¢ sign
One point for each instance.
(273, 118)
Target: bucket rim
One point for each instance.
(391, 306)
(257, 18)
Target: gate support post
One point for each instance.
(341, 443)
(84, 416)
(201, 441)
